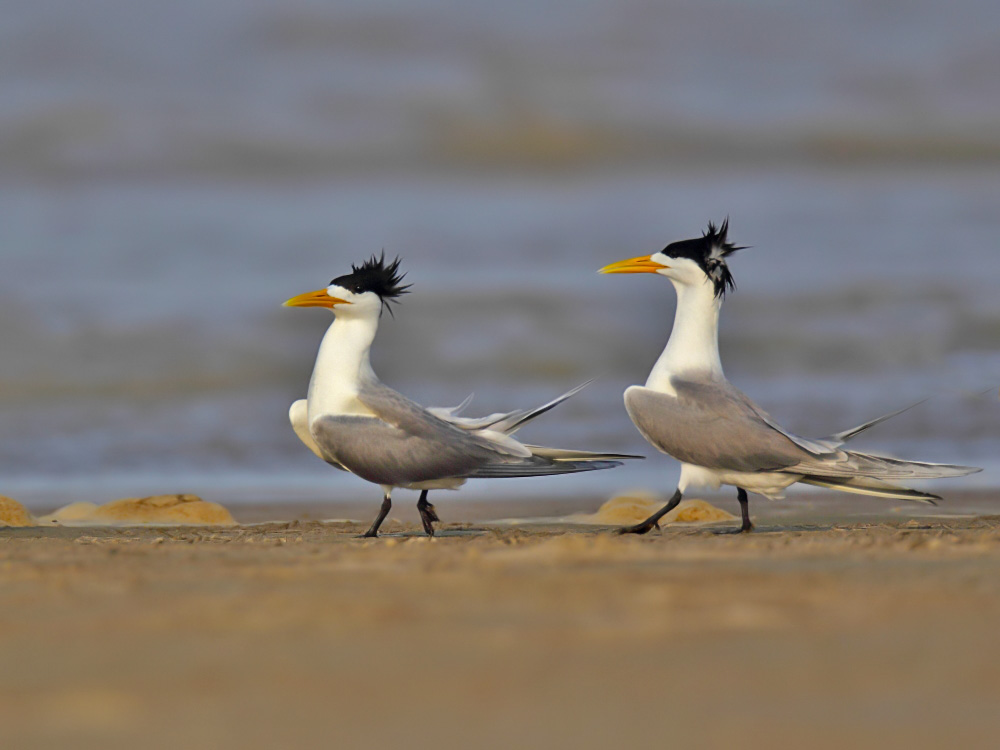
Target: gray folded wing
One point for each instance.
(405, 444)
(402, 444)
(388, 455)
(712, 424)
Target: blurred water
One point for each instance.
(262, 88)
(170, 174)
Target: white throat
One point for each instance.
(341, 365)
(693, 347)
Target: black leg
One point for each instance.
(427, 513)
(383, 512)
(746, 526)
(741, 494)
(654, 520)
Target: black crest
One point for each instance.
(375, 275)
(710, 252)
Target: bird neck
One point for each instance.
(693, 347)
(341, 364)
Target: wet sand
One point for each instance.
(879, 632)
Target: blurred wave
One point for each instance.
(269, 90)
(74, 143)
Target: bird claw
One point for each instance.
(639, 528)
(427, 517)
(735, 532)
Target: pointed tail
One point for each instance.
(548, 461)
(506, 423)
(564, 454)
(516, 420)
(541, 469)
(873, 487)
(883, 467)
(843, 437)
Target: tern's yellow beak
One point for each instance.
(643, 264)
(319, 298)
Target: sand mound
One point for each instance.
(638, 506)
(186, 510)
(12, 513)
(72, 513)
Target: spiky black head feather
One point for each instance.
(375, 275)
(710, 252)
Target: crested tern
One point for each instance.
(354, 422)
(688, 410)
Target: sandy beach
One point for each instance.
(871, 633)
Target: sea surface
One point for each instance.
(170, 173)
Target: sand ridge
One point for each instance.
(158, 510)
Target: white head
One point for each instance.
(363, 293)
(695, 262)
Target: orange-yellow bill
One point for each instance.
(642, 264)
(319, 298)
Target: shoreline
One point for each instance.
(809, 507)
